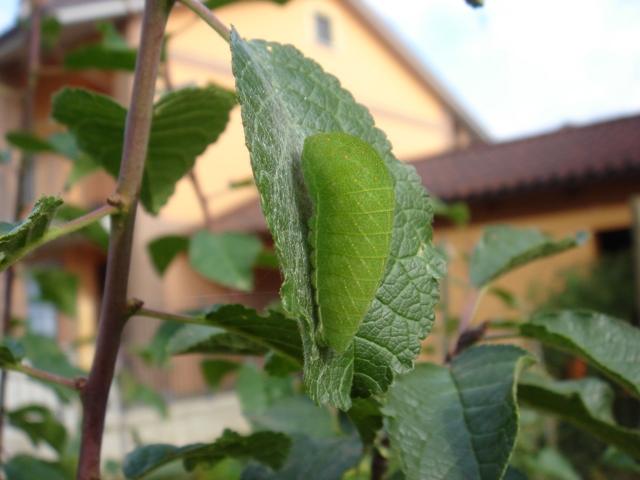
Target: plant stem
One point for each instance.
(210, 19)
(115, 309)
(204, 204)
(46, 376)
(28, 98)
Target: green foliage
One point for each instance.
(133, 392)
(184, 123)
(57, 286)
(585, 403)
(503, 248)
(267, 447)
(366, 416)
(22, 238)
(26, 467)
(457, 212)
(40, 425)
(580, 333)
(94, 232)
(112, 53)
(459, 422)
(272, 80)
(225, 258)
(214, 371)
(11, 353)
(164, 249)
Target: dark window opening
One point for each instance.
(323, 29)
(614, 241)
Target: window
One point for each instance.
(323, 29)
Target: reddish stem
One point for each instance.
(115, 310)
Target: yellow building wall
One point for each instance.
(415, 121)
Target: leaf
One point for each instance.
(212, 341)
(157, 351)
(366, 416)
(503, 248)
(45, 354)
(112, 53)
(40, 425)
(585, 403)
(11, 353)
(285, 98)
(225, 258)
(459, 422)
(94, 232)
(83, 165)
(457, 212)
(279, 366)
(26, 467)
(258, 391)
(606, 342)
(28, 142)
(134, 392)
(313, 459)
(551, 464)
(214, 371)
(5, 228)
(18, 241)
(272, 331)
(184, 123)
(294, 415)
(267, 447)
(164, 249)
(513, 474)
(57, 286)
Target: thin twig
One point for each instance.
(202, 198)
(115, 308)
(207, 15)
(46, 376)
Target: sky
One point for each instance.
(523, 67)
(520, 67)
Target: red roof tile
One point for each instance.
(568, 156)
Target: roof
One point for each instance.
(569, 156)
(75, 12)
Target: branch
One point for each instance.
(114, 314)
(210, 19)
(47, 377)
(204, 204)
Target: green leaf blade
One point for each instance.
(503, 248)
(459, 422)
(164, 249)
(285, 98)
(40, 425)
(17, 242)
(266, 447)
(606, 342)
(226, 258)
(585, 403)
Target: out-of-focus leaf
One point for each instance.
(94, 232)
(58, 287)
(45, 354)
(225, 258)
(50, 29)
(26, 467)
(112, 53)
(313, 459)
(164, 249)
(214, 371)
(29, 142)
(40, 425)
(11, 352)
(184, 123)
(279, 366)
(257, 391)
(367, 418)
(17, 242)
(606, 342)
(157, 352)
(133, 392)
(457, 212)
(266, 447)
(585, 403)
(503, 248)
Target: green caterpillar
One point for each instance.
(350, 230)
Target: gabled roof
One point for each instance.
(570, 156)
(74, 12)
